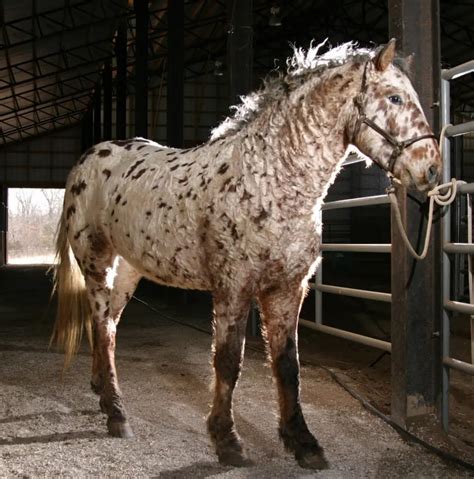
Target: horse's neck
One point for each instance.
(302, 144)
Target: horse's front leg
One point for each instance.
(280, 310)
(230, 319)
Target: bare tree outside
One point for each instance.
(33, 215)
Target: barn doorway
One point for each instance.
(33, 215)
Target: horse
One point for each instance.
(237, 216)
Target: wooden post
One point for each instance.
(416, 295)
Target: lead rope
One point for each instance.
(435, 196)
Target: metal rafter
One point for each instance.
(28, 86)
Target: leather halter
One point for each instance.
(398, 146)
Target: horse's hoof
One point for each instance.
(313, 460)
(119, 429)
(232, 457)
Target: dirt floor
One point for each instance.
(50, 427)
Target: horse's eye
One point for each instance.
(395, 99)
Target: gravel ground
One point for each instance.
(53, 428)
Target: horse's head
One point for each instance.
(390, 125)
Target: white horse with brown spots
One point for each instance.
(237, 216)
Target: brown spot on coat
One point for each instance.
(70, 211)
(140, 173)
(123, 142)
(134, 167)
(247, 195)
(223, 168)
(104, 153)
(107, 173)
(78, 233)
(77, 188)
(99, 243)
(258, 219)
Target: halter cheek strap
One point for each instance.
(398, 146)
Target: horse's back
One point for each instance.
(131, 195)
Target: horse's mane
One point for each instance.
(301, 66)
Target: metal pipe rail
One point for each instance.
(459, 307)
(352, 292)
(460, 129)
(459, 365)
(320, 288)
(459, 248)
(448, 247)
(340, 333)
(356, 202)
(467, 188)
(458, 71)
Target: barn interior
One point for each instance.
(79, 72)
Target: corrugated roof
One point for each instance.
(52, 51)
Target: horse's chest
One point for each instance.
(263, 249)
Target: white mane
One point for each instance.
(300, 66)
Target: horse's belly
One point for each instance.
(169, 264)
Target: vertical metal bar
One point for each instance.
(121, 81)
(87, 130)
(416, 305)
(141, 67)
(318, 280)
(3, 223)
(107, 86)
(97, 115)
(175, 83)
(469, 267)
(240, 48)
(446, 265)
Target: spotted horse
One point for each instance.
(237, 216)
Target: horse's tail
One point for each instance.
(73, 311)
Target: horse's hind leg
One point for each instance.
(230, 319)
(107, 302)
(124, 285)
(280, 311)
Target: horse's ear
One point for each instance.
(410, 62)
(385, 55)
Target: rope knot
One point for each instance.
(435, 196)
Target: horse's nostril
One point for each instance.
(432, 174)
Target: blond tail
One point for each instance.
(73, 313)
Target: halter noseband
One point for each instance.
(398, 146)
